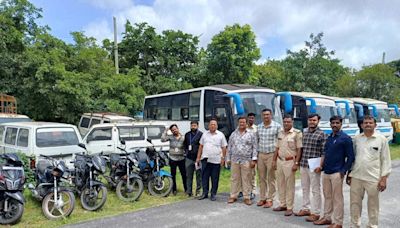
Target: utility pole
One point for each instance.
(115, 46)
(383, 57)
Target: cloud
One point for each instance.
(111, 4)
(359, 30)
(100, 30)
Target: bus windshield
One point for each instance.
(353, 115)
(383, 114)
(326, 112)
(255, 102)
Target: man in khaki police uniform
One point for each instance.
(286, 161)
(369, 174)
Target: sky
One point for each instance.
(359, 31)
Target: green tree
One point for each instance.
(270, 74)
(167, 60)
(18, 29)
(379, 82)
(313, 68)
(231, 55)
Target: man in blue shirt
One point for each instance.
(338, 159)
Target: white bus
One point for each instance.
(347, 110)
(224, 102)
(301, 104)
(379, 110)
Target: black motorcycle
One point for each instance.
(151, 162)
(12, 181)
(58, 200)
(124, 176)
(92, 191)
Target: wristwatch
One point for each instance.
(296, 163)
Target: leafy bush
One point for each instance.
(29, 175)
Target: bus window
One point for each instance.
(194, 113)
(194, 105)
(162, 114)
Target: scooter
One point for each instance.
(12, 181)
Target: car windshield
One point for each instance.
(255, 102)
(12, 120)
(131, 133)
(54, 137)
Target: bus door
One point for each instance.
(219, 106)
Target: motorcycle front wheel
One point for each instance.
(58, 208)
(160, 186)
(131, 192)
(93, 199)
(14, 213)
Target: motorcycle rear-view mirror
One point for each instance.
(148, 140)
(123, 142)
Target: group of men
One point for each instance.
(278, 152)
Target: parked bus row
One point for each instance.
(229, 101)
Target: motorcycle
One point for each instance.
(85, 177)
(58, 201)
(124, 175)
(12, 181)
(151, 162)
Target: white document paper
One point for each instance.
(314, 163)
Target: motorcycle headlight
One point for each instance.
(56, 173)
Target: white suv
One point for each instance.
(107, 137)
(35, 138)
(90, 119)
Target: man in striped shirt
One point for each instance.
(267, 136)
(313, 147)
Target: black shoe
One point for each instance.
(189, 194)
(213, 198)
(240, 195)
(203, 197)
(174, 193)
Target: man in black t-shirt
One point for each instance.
(191, 145)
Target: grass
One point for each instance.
(395, 151)
(33, 216)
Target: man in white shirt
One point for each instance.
(211, 154)
(369, 174)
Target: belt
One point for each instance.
(287, 158)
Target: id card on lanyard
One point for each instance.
(191, 140)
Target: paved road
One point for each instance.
(195, 213)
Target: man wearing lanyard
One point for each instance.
(191, 145)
